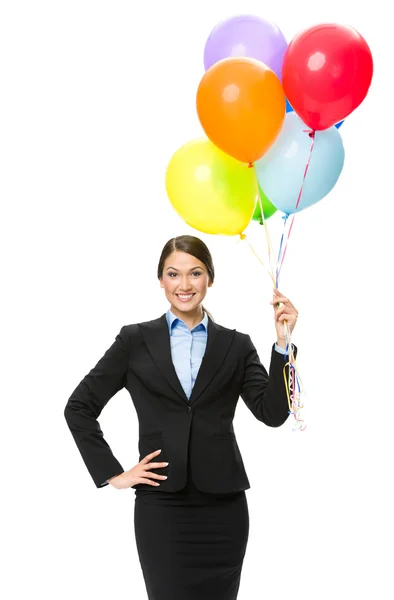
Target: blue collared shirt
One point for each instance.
(188, 348)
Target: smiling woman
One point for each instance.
(185, 374)
(186, 272)
(167, 524)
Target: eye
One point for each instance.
(194, 273)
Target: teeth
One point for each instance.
(181, 296)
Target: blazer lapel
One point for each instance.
(157, 339)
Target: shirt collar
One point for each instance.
(173, 320)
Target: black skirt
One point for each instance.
(191, 544)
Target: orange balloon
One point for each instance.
(241, 106)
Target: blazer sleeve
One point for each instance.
(86, 403)
(265, 393)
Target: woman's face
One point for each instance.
(183, 274)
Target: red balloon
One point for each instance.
(326, 73)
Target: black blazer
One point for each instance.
(140, 360)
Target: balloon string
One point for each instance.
(293, 385)
(293, 396)
(285, 217)
(270, 250)
(295, 405)
(243, 237)
(311, 133)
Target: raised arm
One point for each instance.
(265, 393)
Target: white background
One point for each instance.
(95, 98)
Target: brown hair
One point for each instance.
(191, 245)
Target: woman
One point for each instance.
(185, 374)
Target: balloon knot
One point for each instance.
(242, 236)
(310, 132)
(250, 165)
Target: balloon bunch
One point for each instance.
(271, 112)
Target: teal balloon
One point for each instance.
(280, 171)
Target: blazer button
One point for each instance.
(189, 409)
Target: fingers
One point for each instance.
(145, 465)
(156, 465)
(156, 475)
(149, 457)
(277, 292)
(286, 304)
(281, 299)
(286, 317)
(148, 481)
(285, 310)
(151, 475)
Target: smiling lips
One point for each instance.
(185, 297)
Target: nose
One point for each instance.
(185, 286)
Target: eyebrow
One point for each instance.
(192, 269)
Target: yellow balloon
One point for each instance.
(209, 189)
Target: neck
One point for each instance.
(191, 318)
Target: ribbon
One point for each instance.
(293, 383)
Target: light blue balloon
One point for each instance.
(281, 170)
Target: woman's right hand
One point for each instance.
(140, 473)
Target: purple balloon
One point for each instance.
(246, 36)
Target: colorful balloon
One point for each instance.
(289, 108)
(268, 208)
(241, 107)
(210, 190)
(281, 171)
(246, 36)
(326, 73)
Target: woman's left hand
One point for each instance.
(286, 312)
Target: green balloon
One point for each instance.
(268, 208)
